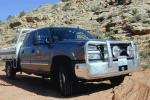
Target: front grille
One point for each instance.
(123, 48)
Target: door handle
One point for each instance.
(22, 52)
(32, 51)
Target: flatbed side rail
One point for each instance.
(17, 42)
(13, 57)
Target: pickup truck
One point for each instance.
(69, 55)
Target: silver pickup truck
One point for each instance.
(68, 55)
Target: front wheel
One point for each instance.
(10, 72)
(64, 82)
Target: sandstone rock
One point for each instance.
(114, 37)
(112, 1)
(147, 21)
(101, 11)
(102, 29)
(138, 30)
(115, 21)
(31, 19)
(126, 16)
(37, 19)
(15, 24)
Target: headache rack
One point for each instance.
(11, 53)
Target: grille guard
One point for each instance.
(108, 45)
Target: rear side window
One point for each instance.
(25, 39)
(42, 35)
(29, 39)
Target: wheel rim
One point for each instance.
(60, 80)
(8, 70)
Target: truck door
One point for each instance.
(40, 56)
(25, 52)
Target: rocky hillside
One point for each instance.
(113, 19)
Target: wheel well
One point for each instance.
(57, 60)
(60, 59)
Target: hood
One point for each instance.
(82, 42)
(72, 41)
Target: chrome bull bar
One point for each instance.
(108, 45)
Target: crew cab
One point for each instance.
(68, 55)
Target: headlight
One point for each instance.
(92, 56)
(93, 52)
(92, 48)
(116, 51)
(130, 51)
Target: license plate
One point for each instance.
(122, 61)
(123, 68)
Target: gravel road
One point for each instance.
(30, 87)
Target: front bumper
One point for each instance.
(99, 70)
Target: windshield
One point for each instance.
(60, 34)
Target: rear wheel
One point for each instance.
(10, 72)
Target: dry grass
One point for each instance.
(2, 63)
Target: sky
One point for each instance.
(14, 7)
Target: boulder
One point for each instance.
(70, 21)
(112, 1)
(147, 20)
(31, 19)
(138, 29)
(15, 24)
(37, 19)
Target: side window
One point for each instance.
(41, 36)
(25, 39)
(81, 35)
(29, 39)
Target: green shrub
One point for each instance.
(95, 8)
(138, 17)
(1, 22)
(145, 67)
(148, 10)
(101, 19)
(9, 17)
(149, 14)
(45, 18)
(125, 10)
(40, 6)
(22, 14)
(13, 40)
(109, 33)
(112, 15)
(146, 53)
(135, 11)
(2, 63)
(66, 7)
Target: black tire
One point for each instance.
(10, 72)
(65, 82)
(117, 80)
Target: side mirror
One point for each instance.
(38, 39)
(47, 41)
(98, 37)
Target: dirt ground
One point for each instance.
(30, 87)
